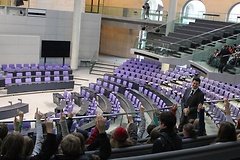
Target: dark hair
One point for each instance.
(168, 119)
(150, 127)
(28, 146)
(3, 130)
(153, 135)
(12, 146)
(238, 123)
(226, 132)
(82, 140)
(197, 79)
(190, 130)
(71, 145)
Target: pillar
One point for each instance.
(165, 67)
(79, 8)
(171, 16)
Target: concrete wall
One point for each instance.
(56, 25)
(19, 49)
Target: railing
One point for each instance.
(204, 52)
(93, 116)
(127, 12)
(93, 61)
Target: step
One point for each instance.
(103, 69)
(107, 64)
(176, 55)
(95, 72)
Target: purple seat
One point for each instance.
(8, 81)
(65, 73)
(56, 79)
(19, 65)
(66, 79)
(19, 74)
(33, 65)
(18, 81)
(47, 73)
(91, 85)
(38, 79)
(26, 125)
(47, 79)
(38, 74)
(49, 68)
(28, 80)
(56, 73)
(9, 75)
(12, 66)
(26, 65)
(28, 74)
(42, 68)
(81, 122)
(116, 88)
(4, 67)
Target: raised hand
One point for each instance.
(226, 106)
(174, 107)
(141, 108)
(38, 115)
(49, 125)
(100, 123)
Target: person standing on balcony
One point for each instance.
(146, 9)
(224, 54)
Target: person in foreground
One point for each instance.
(191, 99)
(72, 149)
(168, 139)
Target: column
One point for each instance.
(165, 67)
(171, 16)
(79, 7)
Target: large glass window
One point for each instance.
(192, 10)
(234, 14)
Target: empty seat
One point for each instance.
(56, 73)
(28, 74)
(28, 80)
(66, 78)
(38, 74)
(56, 79)
(19, 65)
(18, 81)
(47, 79)
(65, 73)
(19, 74)
(8, 81)
(47, 73)
(38, 79)
(9, 75)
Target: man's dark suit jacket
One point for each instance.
(192, 102)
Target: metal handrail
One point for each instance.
(90, 116)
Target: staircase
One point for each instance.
(185, 39)
(101, 68)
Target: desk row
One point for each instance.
(9, 81)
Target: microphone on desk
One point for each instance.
(20, 100)
(10, 102)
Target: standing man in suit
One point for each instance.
(191, 99)
(224, 56)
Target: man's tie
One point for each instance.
(191, 93)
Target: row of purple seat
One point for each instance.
(38, 74)
(18, 81)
